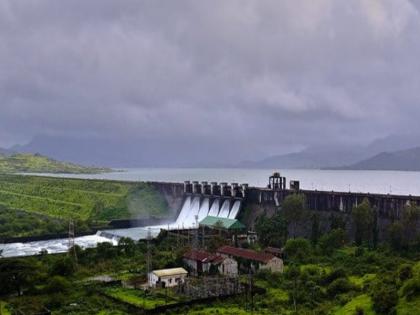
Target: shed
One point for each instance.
(222, 223)
(167, 277)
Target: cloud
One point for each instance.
(247, 77)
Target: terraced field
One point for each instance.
(79, 199)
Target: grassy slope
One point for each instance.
(48, 198)
(40, 164)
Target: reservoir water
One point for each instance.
(392, 182)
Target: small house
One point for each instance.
(167, 277)
(200, 262)
(274, 251)
(251, 258)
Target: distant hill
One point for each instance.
(311, 158)
(35, 163)
(403, 160)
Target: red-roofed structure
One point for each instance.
(258, 260)
(199, 261)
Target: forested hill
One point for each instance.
(35, 163)
(404, 160)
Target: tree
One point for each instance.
(331, 241)
(15, 275)
(294, 209)
(297, 249)
(293, 274)
(395, 235)
(127, 245)
(409, 219)
(63, 266)
(271, 231)
(315, 231)
(384, 298)
(363, 219)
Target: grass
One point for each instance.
(137, 298)
(3, 309)
(361, 281)
(80, 199)
(46, 200)
(35, 163)
(362, 301)
(405, 307)
(225, 310)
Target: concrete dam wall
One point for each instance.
(190, 199)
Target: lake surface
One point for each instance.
(393, 182)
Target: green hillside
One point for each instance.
(36, 198)
(35, 163)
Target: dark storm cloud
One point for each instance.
(248, 77)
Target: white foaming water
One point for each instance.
(215, 207)
(204, 209)
(184, 212)
(224, 212)
(235, 210)
(52, 246)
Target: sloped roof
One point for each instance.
(246, 254)
(197, 255)
(203, 256)
(170, 272)
(225, 223)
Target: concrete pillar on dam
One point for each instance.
(187, 187)
(223, 189)
(235, 189)
(244, 189)
(205, 188)
(215, 189)
(196, 188)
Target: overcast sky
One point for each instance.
(243, 77)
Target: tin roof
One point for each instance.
(170, 272)
(245, 253)
(203, 257)
(225, 223)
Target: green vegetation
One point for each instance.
(34, 205)
(328, 276)
(35, 163)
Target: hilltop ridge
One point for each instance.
(36, 163)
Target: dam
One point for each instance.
(192, 201)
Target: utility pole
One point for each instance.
(149, 255)
(71, 243)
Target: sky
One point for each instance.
(220, 79)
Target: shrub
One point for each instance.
(335, 274)
(405, 272)
(297, 249)
(338, 286)
(57, 284)
(411, 288)
(384, 298)
(332, 240)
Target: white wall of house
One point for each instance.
(168, 281)
(229, 267)
(274, 265)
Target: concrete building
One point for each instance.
(200, 262)
(167, 277)
(250, 258)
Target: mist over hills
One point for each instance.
(149, 153)
(404, 160)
